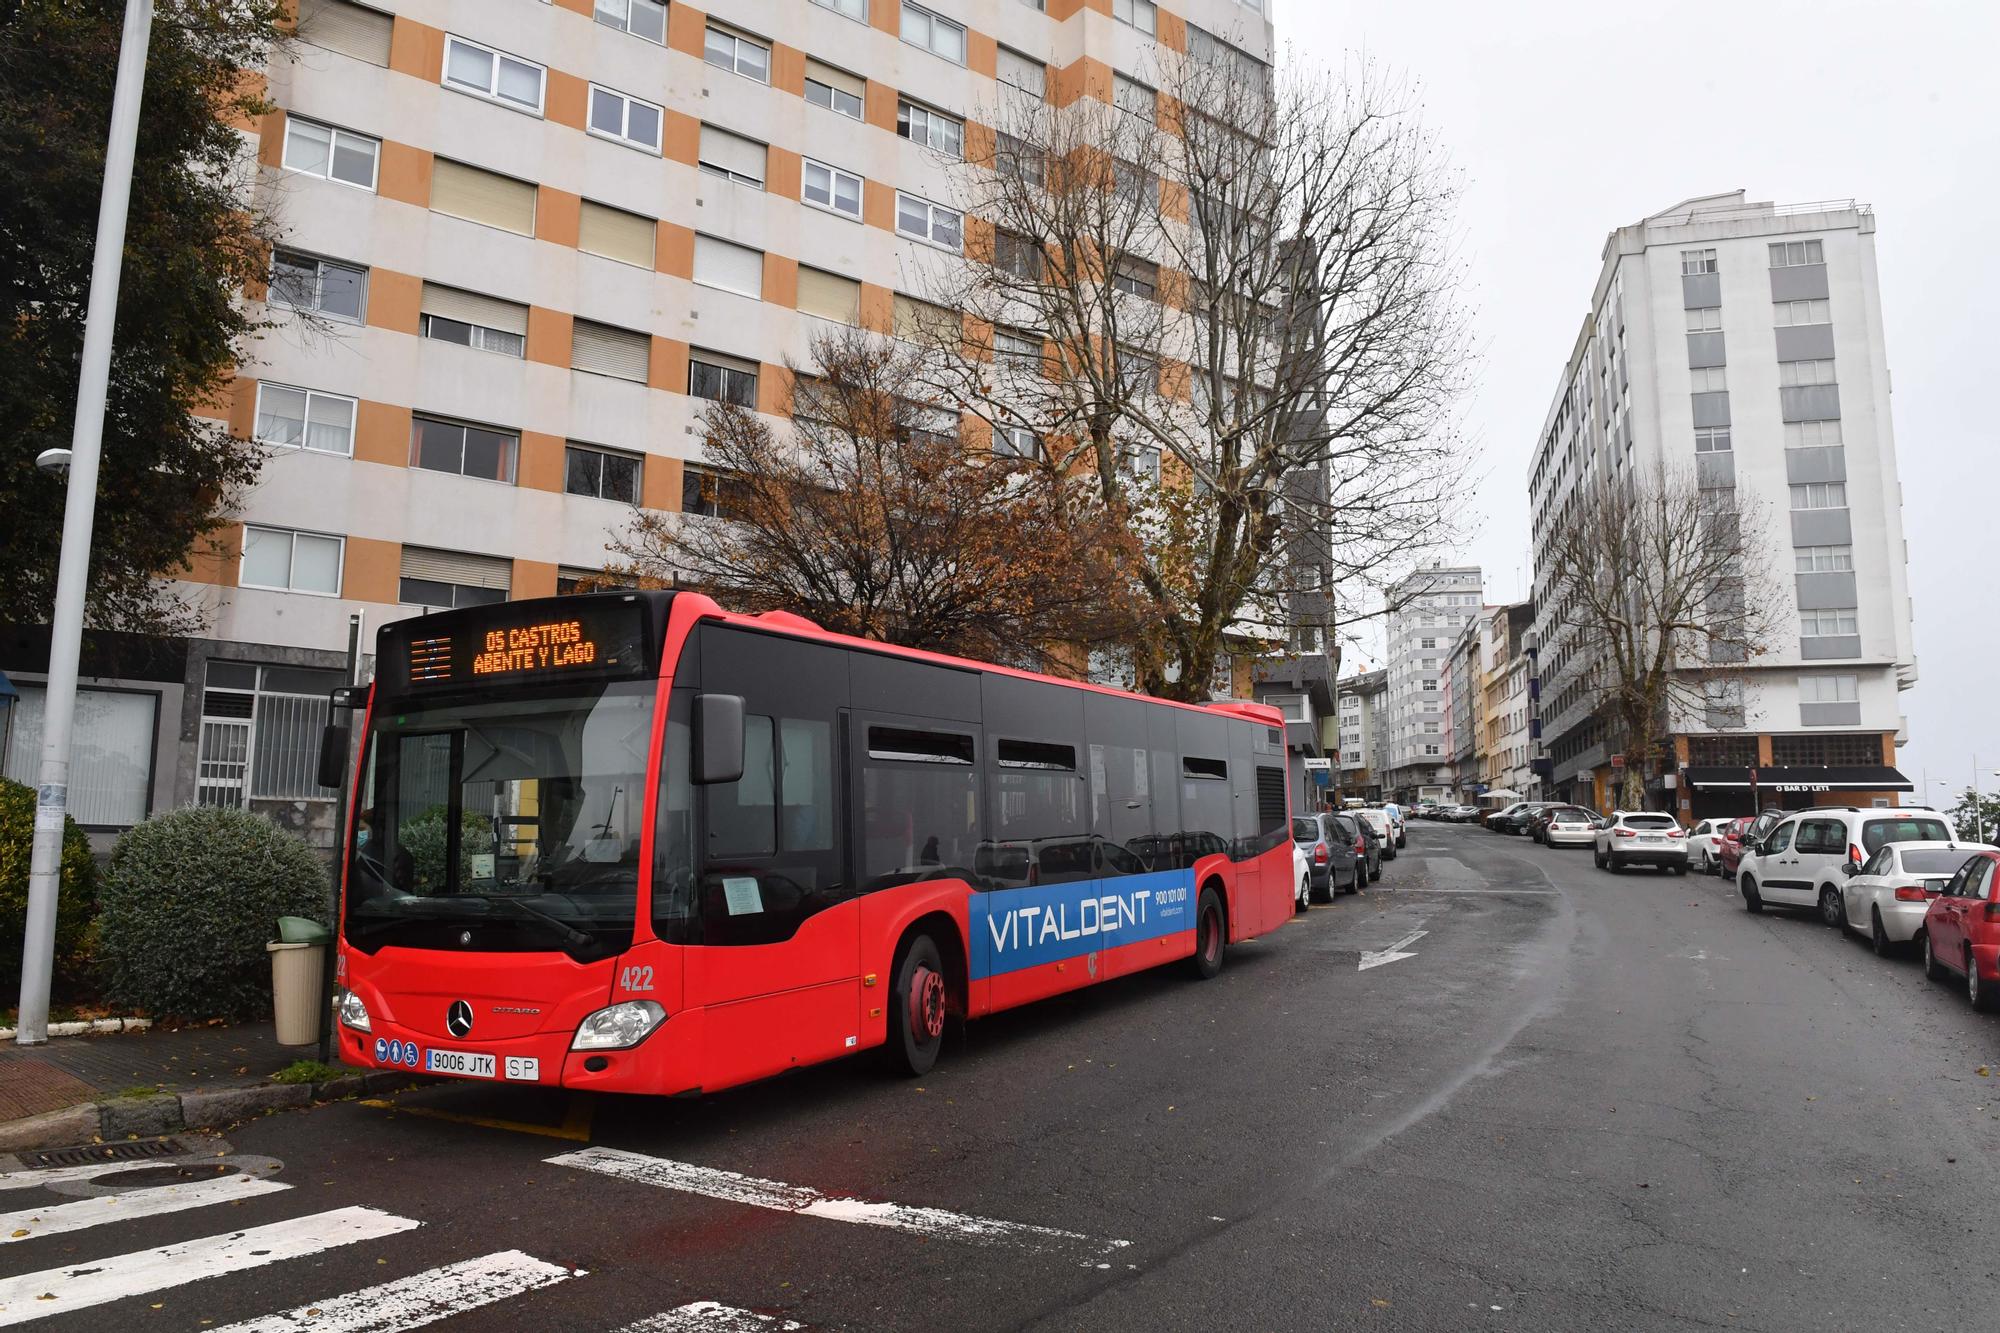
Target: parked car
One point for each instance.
(1329, 853)
(1378, 819)
(1570, 826)
(1465, 814)
(1515, 819)
(1302, 880)
(1538, 822)
(1395, 813)
(1367, 847)
(1962, 930)
(1702, 844)
(1888, 899)
(1730, 845)
(1797, 864)
(1642, 837)
(1493, 819)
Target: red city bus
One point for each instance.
(631, 842)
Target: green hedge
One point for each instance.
(75, 906)
(190, 901)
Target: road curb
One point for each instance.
(168, 1113)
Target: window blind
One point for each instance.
(829, 295)
(604, 350)
(346, 28)
(734, 268)
(616, 234)
(468, 571)
(472, 308)
(733, 153)
(483, 196)
(836, 78)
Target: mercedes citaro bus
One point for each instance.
(632, 842)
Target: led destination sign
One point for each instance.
(525, 643)
(559, 645)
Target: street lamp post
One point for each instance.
(79, 514)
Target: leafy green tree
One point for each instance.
(1971, 821)
(194, 241)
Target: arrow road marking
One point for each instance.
(1393, 952)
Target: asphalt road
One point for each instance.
(1582, 1101)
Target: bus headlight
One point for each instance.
(622, 1025)
(352, 1012)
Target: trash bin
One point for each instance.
(298, 965)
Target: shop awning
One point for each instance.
(1864, 777)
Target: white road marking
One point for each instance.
(729, 1186)
(1393, 952)
(50, 1175)
(711, 1317)
(79, 1286)
(29, 1223)
(1487, 893)
(423, 1298)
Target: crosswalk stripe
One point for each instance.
(76, 1287)
(423, 1298)
(30, 1223)
(729, 1186)
(52, 1175)
(712, 1317)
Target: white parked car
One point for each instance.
(1642, 838)
(1571, 826)
(1302, 879)
(1385, 828)
(1798, 863)
(1702, 840)
(1886, 899)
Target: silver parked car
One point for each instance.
(1571, 826)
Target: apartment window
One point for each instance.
(485, 72)
(1017, 442)
(1709, 379)
(471, 320)
(1017, 159)
(710, 493)
(1827, 622)
(1787, 314)
(439, 445)
(1143, 462)
(1138, 376)
(1022, 71)
(318, 286)
(722, 379)
(451, 579)
(1135, 276)
(736, 53)
(331, 154)
(922, 322)
(729, 267)
(112, 749)
(1697, 261)
(1829, 689)
(1433, 728)
(930, 222)
(1017, 346)
(1141, 14)
(1132, 181)
(1432, 750)
(641, 18)
(601, 473)
(1017, 254)
(1791, 254)
(1794, 373)
(1712, 440)
(835, 89)
(854, 9)
(933, 32)
(1705, 319)
(482, 196)
(305, 418)
(349, 29)
(616, 234)
(732, 157)
(829, 295)
(1429, 685)
(291, 561)
(613, 115)
(1811, 434)
(1132, 96)
(823, 186)
(1428, 664)
(1823, 559)
(933, 129)
(605, 349)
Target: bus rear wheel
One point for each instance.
(1211, 934)
(917, 1008)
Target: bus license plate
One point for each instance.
(465, 1064)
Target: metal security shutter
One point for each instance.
(467, 571)
(483, 196)
(733, 152)
(472, 308)
(348, 29)
(829, 296)
(836, 78)
(604, 350)
(616, 234)
(734, 268)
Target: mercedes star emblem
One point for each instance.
(458, 1018)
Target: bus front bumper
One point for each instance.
(662, 1062)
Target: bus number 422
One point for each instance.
(634, 979)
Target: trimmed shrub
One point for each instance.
(75, 905)
(190, 901)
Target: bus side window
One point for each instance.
(673, 836)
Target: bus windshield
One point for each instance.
(502, 825)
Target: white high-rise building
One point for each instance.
(1427, 610)
(1744, 340)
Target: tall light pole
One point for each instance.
(79, 515)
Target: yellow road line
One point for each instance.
(575, 1125)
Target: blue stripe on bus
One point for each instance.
(1020, 928)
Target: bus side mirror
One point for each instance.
(718, 738)
(333, 739)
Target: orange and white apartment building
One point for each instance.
(534, 236)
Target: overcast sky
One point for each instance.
(1570, 119)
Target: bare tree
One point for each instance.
(1666, 600)
(1195, 295)
(869, 515)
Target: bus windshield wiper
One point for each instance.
(568, 932)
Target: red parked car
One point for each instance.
(1962, 930)
(1729, 846)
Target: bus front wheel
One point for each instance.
(1211, 934)
(917, 1009)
